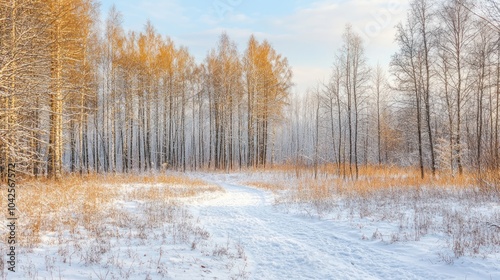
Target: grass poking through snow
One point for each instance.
(463, 209)
(116, 227)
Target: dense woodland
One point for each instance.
(80, 95)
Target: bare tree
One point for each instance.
(356, 75)
(405, 66)
(456, 37)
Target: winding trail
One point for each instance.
(283, 246)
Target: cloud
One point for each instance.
(308, 33)
(311, 35)
(164, 11)
(240, 18)
(315, 34)
(324, 21)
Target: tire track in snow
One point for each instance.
(282, 246)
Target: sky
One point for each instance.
(308, 33)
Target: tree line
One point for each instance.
(78, 98)
(436, 108)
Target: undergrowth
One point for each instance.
(465, 209)
(120, 226)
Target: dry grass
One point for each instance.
(83, 201)
(489, 181)
(90, 219)
(371, 178)
(274, 187)
(452, 205)
(329, 183)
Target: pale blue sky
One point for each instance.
(308, 33)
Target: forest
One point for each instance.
(127, 157)
(83, 96)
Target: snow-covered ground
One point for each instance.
(238, 233)
(286, 245)
(138, 234)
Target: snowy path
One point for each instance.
(282, 246)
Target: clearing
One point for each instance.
(215, 226)
(281, 245)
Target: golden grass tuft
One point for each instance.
(274, 187)
(313, 190)
(489, 181)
